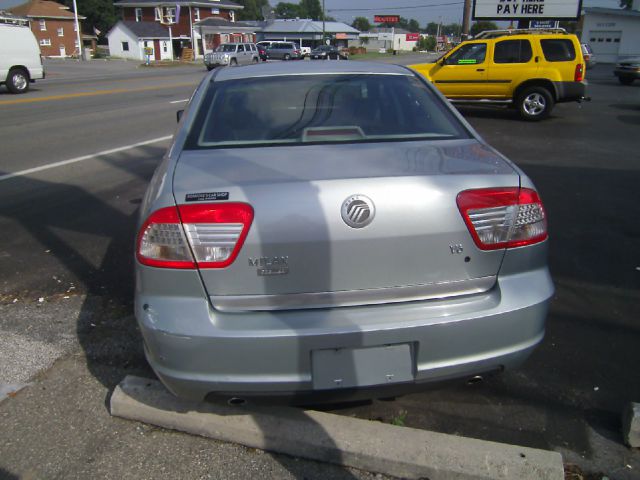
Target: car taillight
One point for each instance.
(203, 235)
(503, 217)
(579, 75)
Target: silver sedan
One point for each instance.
(338, 231)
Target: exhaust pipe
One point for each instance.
(236, 402)
(475, 380)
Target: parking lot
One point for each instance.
(78, 152)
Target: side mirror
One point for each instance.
(179, 115)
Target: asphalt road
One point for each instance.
(66, 284)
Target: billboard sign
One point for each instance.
(412, 37)
(526, 9)
(386, 18)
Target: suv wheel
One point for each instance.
(534, 103)
(625, 80)
(18, 81)
(287, 56)
(233, 62)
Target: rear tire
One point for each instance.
(625, 80)
(534, 103)
(209, 68)
(287, 56)
(18, 80)
(255, 60)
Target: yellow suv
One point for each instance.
(532, 70)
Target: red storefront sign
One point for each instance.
(386, 18)
(413, 37)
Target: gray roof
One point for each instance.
(307, 26)
(145, 29)
(221, 22)
(612, 11)
(310, 68)
(197, 3)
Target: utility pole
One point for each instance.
(466, 19)
(75, 18)
(323, 16)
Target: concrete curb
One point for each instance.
(373, 446)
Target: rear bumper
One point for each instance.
(196, 350)
(570, 91)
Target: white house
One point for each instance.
(387, 38)
(612, 33)
(128, 39)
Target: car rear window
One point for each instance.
(558, 50)
(320, 108)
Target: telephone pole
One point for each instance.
(466, 19)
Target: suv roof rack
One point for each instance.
(518, 31)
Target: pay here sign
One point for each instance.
(526, 9)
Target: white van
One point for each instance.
(20, 60)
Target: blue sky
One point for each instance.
(416, 9)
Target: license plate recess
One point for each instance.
(361, 367)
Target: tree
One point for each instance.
(427, 43)
(252, 9)
(100, 14)
(432, 28)
(626, 4)
(481, 26)
(311, 9)
(454, 29)
(413, 26)
(361, 23)
(287, 10)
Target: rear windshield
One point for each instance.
(320, 108)
(558, 50)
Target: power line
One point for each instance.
(392, 8)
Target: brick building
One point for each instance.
(53, 25)
(169, 28)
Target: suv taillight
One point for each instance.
(503, 217)
(579, 75)
(203, 235)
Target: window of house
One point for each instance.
(60, 32)
(171, 14)
(512, 51)
(75, 27)
(138, 14)
(232, 16)
(43, 25)
(45, 42)
(76, 43)
(158, 13)
(125, 46)
(215, 11)
(196, 14)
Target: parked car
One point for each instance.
(20, 59)
(325, 230)
(628, 70)
(530, 70)
(284, 51)
(232, 54)
(326, 52)
(587, 54)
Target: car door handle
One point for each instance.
(479, 69)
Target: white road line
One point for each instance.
(21, 173)
(180, 101)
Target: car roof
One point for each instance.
(309, 68)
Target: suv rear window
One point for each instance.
(558, 50)
(512, 51)
(320, 108)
